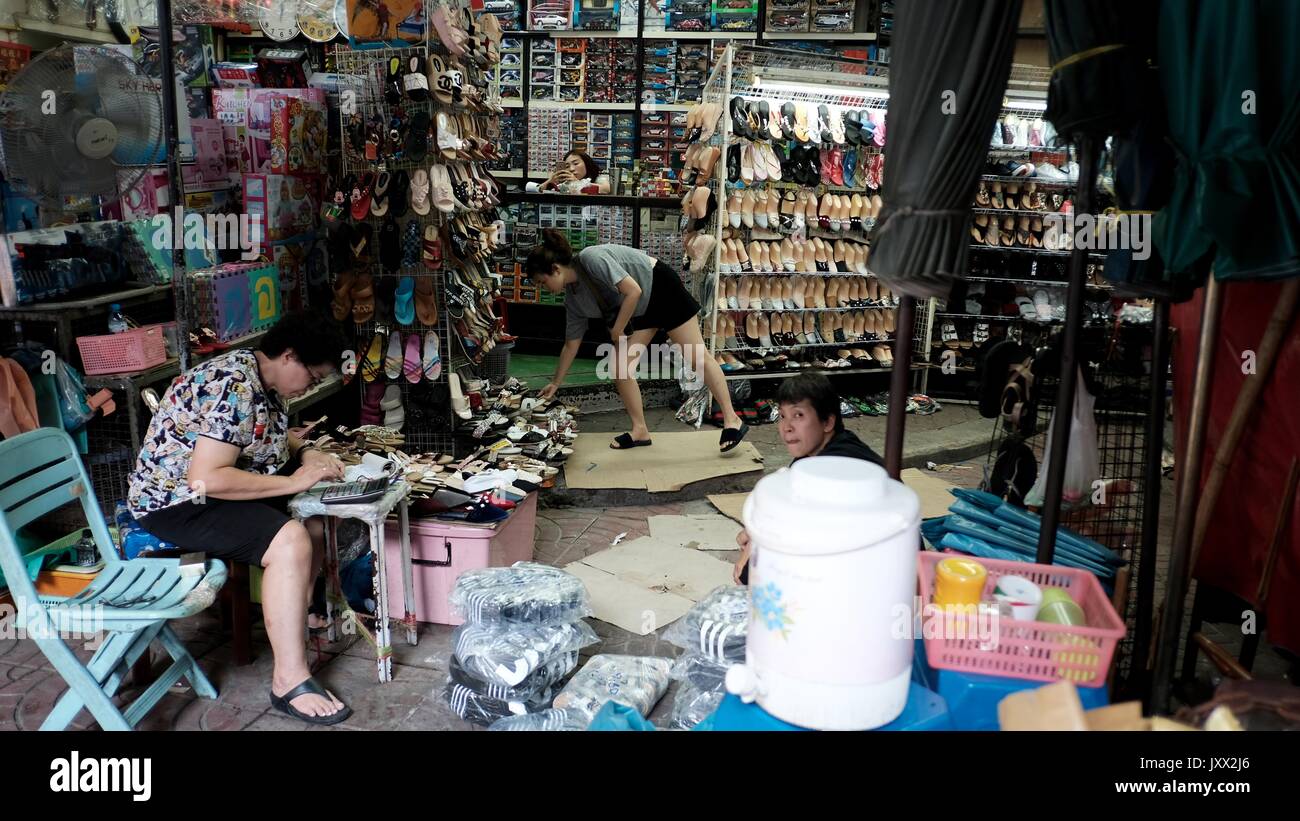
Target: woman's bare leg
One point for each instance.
(688, 337)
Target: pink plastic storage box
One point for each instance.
(1032, 650)
(441, 551)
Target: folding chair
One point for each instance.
(131, 601)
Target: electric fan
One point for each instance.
(78, 122)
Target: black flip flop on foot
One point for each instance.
(625, 441)
(311, 685)
(731, 437)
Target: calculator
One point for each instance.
(363, 490)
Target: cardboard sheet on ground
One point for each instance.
(648, 583)
(707, 531)
(672, 462)
(730, 504)
(933, 491)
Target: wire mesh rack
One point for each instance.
(1119, 360)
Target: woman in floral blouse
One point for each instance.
(212, 477)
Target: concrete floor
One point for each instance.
(29, 686)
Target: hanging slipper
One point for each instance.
(390, 245)
(360, 196)
(391, 405)
(393, 356)
(431, 360)
(412, 365)
(411, 244)
(426, 305)
(404, 301)
(363, 298)
(393, 82)
(341, 305)
(379, 199)
(416, 81)
(420, 187)
(443, 196)
(372, 365)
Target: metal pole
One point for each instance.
(171, 133)
(1151, 482)
(1189, 479)
(1088, 156)
(904, 330)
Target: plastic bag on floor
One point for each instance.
(692, 705)
(477, 708)
(541, 678)
(508, 655)
(552, 720)
(704, 672)
(716, 626)
(633, 681)
(524, 593)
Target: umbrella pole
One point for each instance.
(1061, 420)
(1189, 476)
(903, 333)
(1151, 482)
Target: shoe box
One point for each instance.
(788, 15)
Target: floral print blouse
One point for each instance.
(224, 399)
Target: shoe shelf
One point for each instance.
(1017, 249)
(1014, 212)
(994, 317)
(811, 310)
(784, 372)
(1038, 180)
(1026, 149)
(734, 275)
(832, 36)
(1051, 283)
(802, 345)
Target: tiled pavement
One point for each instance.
(29, 686)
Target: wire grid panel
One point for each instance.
(1123, 392)
(427, 426)
(112, 448)
(763, 71)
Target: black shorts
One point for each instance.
(670, 304)
(240, 531)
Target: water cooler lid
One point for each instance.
(828, 504)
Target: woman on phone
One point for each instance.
(577, 172)
(635, 295)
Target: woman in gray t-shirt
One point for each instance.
(635, 295)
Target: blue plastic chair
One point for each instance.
(131, 601)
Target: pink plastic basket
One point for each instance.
(1023, 649)
(127, 352)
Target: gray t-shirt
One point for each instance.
(605, 267)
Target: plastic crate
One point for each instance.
(1032, 650)
(496, 363)
(134, 350)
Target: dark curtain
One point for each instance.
(947, 76)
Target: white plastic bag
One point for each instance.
(1082, 461)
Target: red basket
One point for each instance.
(1033, 650)
(135, 350)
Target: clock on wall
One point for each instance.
(316, 19)
(279, 20)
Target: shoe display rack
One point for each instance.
(1020, 248)
(785, 168)
(402, 257)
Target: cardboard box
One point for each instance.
(287, 205)
(209, 150)
(298, 134)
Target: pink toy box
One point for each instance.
(441, 551)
